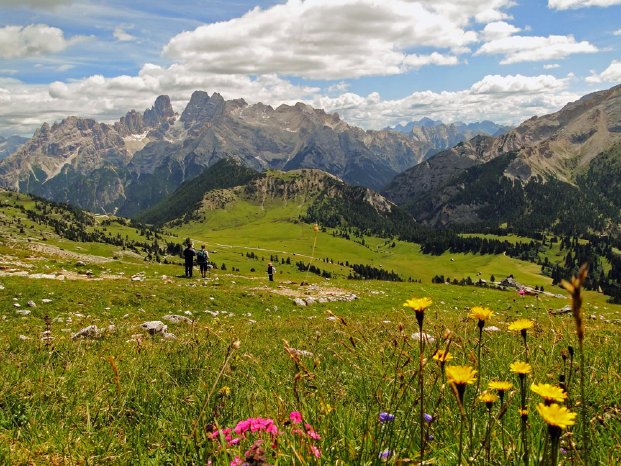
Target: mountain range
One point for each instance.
(493, 179)
(557, 169)
(130, 165)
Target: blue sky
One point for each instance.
(375, 62)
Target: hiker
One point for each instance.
(189, 254)
(271, 270)
(202, 258)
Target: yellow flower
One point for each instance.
(549, 392)
(480, 313)
(521, 368)
(523, 412)
(442, 356)
(556, 415)
(500, 386)
(418, 304)
(487, 397)
(521, 325)
(460, 375)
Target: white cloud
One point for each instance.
(504, 99)
(33, 40)
(498, 30)
(617, 32)
(551, 66)
(612, 74)
(334, 39)
(573, 4)
(534, 48)
(122, 35)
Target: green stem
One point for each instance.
(421, 388)
(461, 440)
(583, 409)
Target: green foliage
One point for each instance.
(184, 200)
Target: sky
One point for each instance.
(376, 63)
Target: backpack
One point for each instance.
(201, 256)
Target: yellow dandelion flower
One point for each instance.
(521, 368)
(461, 375)
(557, 415)
(488, 398)
(442, 356)
(418, 304)
(480, 313)
(549, 392)
(500, 386)
(521, 325)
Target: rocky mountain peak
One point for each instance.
(202, 109)
(161, 110)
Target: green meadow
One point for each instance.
(244, 349)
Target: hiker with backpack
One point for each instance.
(202, 258)
(271, 270)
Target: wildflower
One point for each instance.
(311, 432)
(556, 415)
(461, 375)
(295, 417)
(523, 412)
(488, 398)
(442, 356)
(386, 417)
(549, 393)
(428, 418)
(316, 451)
(384, 455)
(521, 368)
(521, 325)
(418, 305)
(481, 314)
(500, 386)
(225, 391)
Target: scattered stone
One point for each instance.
(23, 337)
(154, 327)
(80, 264)
(46, 300)
(426, 337)
(565, 310)
(169, 336)
(492, 328)
(31, 304)
(23, 312)
(16, 305)
(175, 319)
(87, 332)
(298, 352)
(188, 313)
(213, 313)
(111, 328)
(299, 302)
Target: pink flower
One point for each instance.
(237, 461)
(311, 432)
(296, 417)
(316, 451)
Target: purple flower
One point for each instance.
(430, 437)
(384, 454)
(428, 418)
(386, 417)
(563, 451)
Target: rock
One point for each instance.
(31, 304)
(16, 305)
(566, 310)
(169, 336)
(80, 264)
(188, 313)
(426, 337)
(87, 332)
(23, 337)
(175, 319)
(46, 300)
(23, 312)
(492, 328)
(299, 302)
(154, 327)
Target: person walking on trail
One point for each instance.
(202, 258)
(189, 254)
(271, 270)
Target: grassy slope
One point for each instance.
(61, 404)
